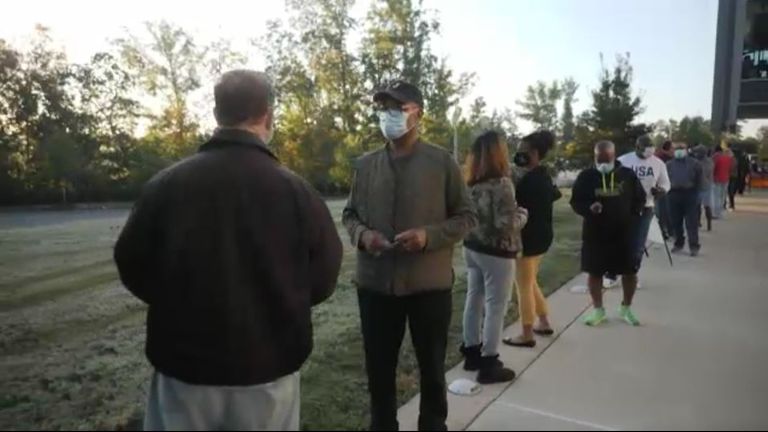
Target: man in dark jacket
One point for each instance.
(687, 176)
(407, 209)
(230, 250)
(611, 199)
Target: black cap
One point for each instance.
(400, 91)
(645, 141)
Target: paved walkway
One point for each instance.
(699, 362)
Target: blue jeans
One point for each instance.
(684, 206)
(721, 193)
(707, 197)
(489, 281)
(642, 228)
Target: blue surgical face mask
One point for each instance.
(606, 168)
(393, 123)
(681, 153)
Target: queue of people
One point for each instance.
(230, 251)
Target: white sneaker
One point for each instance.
(610, 283)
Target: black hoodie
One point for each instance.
(622, 196)
(537, 194)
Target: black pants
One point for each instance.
(733, 189)
(684, 207)
(383, 319)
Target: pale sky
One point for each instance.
(509, 43)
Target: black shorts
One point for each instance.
(609, 257)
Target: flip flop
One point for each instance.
(518, 344)
(544, 332)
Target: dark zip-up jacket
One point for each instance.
(230, 250)
(391, 195)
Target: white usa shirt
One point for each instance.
(652, 172)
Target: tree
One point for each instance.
(105, 92)
(171, 65)
(442, 94)
(324, 119)
(11, 163)
(477, 111)
(504, 121)
(569, 87)
(38, 117)
(694, 131)
(664, 130)
(580, 152)
(612, 115)
(319, 90)
(762, 136)
(397, 45)
(324, 27)
(539, 106)
(614, 107)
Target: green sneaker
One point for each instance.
(625, 312)
(595, 318)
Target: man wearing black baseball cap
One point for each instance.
(407, 209)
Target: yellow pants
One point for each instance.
(530, 299)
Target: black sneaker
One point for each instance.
(677, 249)
(492, 371)
(694, 253)
(472, 356)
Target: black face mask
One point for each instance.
(522, 159)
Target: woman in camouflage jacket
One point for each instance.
(490, 251)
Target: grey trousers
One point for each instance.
(489, 289)
(174, 405)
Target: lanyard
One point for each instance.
(613, 182)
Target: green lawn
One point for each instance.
(71, 339)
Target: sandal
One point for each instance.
(544, 332)
(519, 343)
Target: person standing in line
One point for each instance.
(733, 181)
(739, 174)
(407, 209)
(610, 198)
(722, 175)
(744, 172)
(707, 183)
(653, 175)
(665, 154)
(536, 193)
(686, 175)
(490, 251)
(230, 250)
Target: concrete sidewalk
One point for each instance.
(700, 361)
